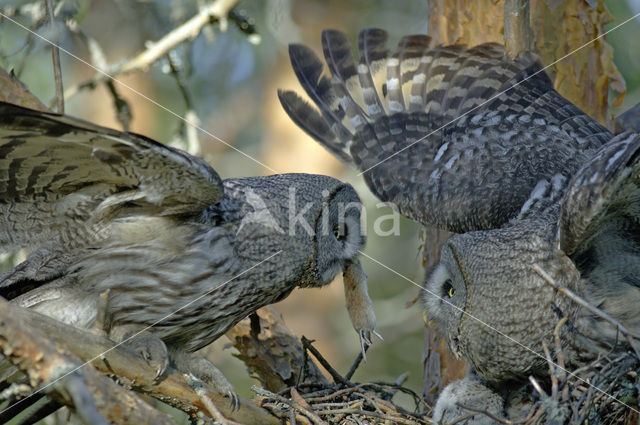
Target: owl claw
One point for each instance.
(205, 371)
(365, 342)
(234, 400)
(153, 351)
(378, 335)
(365, 337)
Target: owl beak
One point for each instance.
(454, 346)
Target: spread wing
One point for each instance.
(458, 138)
(602, 204)
(63, 179)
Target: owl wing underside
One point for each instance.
(457, 138)
(602, 203)
(62, 180)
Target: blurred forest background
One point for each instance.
(232, 80)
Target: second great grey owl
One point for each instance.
(183, 254)
(469, 141)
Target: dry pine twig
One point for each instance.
(215, 11)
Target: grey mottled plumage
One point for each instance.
(178, 248)
(459, 397)
(523, 176)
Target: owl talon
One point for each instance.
(365, 343)
(146, 345)
(234, 400)
(365, 337)
(204, 370)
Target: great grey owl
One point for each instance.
(471, 142)
(184, 254)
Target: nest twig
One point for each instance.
(341, 402)
(605, 391)
(358, 404)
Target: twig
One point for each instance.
(14, 409)
(517, 30)
(123, 110)
(560, 356)
(356, 363)
(214, 12)
(291, 403)
(484, 412)
(458, 420)
(57, 71)
(633, 346)
(276, 356)
(191, 116)
(536, 386)
(581, 301)
(307, 344)
(552, 371)
(536, 416)
(187, 31)
(41, 412)
(365, 413)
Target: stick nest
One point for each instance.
(360, 404)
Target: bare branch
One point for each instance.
(57, 70)
(303, 408)
(44, 361)
(176, 389)
(216, 11)
(307, 344)
(517, 30)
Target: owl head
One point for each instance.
(493, 308)
(472, 142)
(314, 218)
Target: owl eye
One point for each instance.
(336, 233)
(448, 288)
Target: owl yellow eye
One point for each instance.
(448, 288)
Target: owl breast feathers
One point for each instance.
(468, 141)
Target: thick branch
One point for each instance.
(92, 394)
(176, 389)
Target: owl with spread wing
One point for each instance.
(469, 141)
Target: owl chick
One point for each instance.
(183, 254)
(468, 401)
(469, 141)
